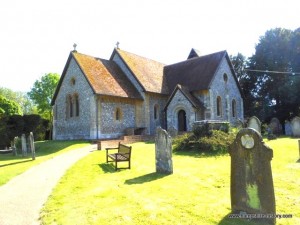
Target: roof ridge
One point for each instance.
(140, 56)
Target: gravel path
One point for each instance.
(22, 198)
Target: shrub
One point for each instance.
(217, 142)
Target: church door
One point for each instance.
(181, 120)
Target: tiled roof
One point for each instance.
(105, 77)
(149, 73)
(195, 73)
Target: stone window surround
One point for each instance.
(156, 111)
(219, 106)
(72, 106)
(118, 114)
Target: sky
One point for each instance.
(36, 36)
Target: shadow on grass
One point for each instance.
(107, 167)
(198, 154)
(14, 163)
(145, 178)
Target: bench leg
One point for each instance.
(116, 165)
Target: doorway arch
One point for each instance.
(181, 120)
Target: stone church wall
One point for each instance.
(228, 90)
(76, 127)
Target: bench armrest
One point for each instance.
(111, 148)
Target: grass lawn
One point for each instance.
(11, 166)
(198, 192)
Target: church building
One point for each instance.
(130, 94)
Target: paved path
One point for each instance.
(22, 198)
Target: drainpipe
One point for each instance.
(97, 117)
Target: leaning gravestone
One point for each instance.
(163, 152)
(275, 126)
(288, 128)
(296, 126)
(252, 190)
(255, 123)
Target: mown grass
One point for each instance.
(11, 166)
(198, 192)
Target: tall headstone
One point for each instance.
(296, 126)
(275, 126)
(255, 123)
(163, 152)
(24, 146)
(32, 147)
(288, 128)
(252, 190)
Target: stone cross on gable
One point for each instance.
(74, 46)
(117, 45)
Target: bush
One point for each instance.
(216, 142)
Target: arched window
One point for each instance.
(76, 102)
(118, 114)
(225, 77)
(70, 105)
(156, 112)
(233, 108)
(219, 106)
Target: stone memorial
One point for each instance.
(32, 147)
(24, 146)
(255, 123)
(288, 128)
(295, 123)
(163, 152)
(173, 132)
(275, 126)
(252, 190)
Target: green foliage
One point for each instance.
(215, 142)
(21, 98)
(16, 125)
(42, 93)
(266, 94)
(9, 107)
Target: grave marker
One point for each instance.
(255, 123)
(252, 190)
(288, 128)
(163, 152)
(296, 126)
(24, 146)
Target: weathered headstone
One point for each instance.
(252, 190)
(288, 128)
(163, 152)
(24, 146)
(296, 126)
(255, 123)
(173, 132)
(275, 126)
(32, 147)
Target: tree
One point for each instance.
(42, 92)
(275, 93)
(21, 98)
(8, 107)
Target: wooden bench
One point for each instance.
(123, 155)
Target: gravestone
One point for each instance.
(275, 126)
(288, 128)
(252, 190)
(32, 147)
(24, 146)
(163, 152)
(296, 126)
(173, 132)
(255, 123)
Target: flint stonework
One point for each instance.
(163, 152)
(252, 189)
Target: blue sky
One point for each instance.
(36, 36)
